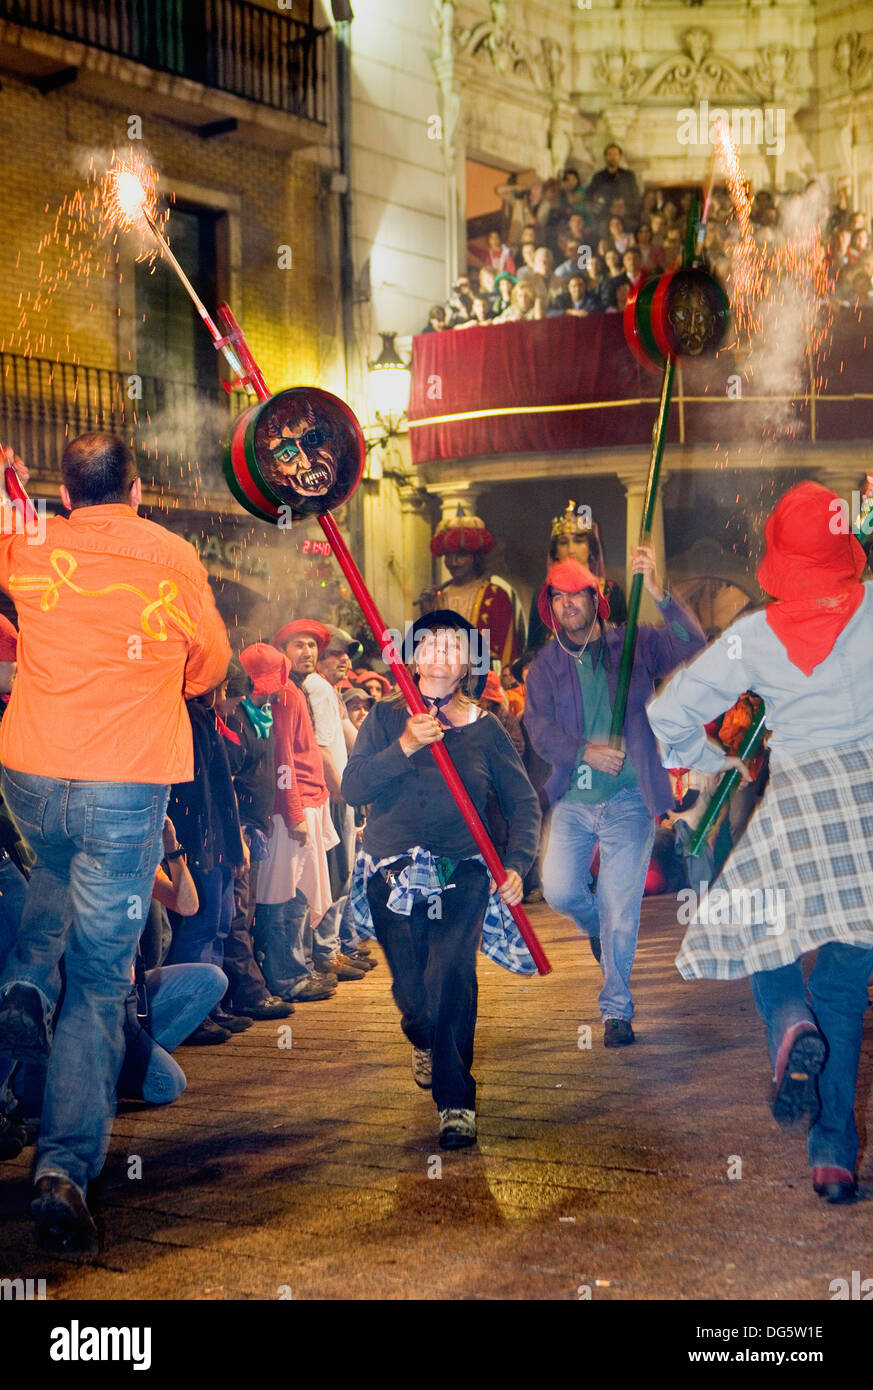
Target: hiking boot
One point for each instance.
(320, 987)
(457, 1129)
(422, 1067)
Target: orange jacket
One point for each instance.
(117, 626)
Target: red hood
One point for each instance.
(267, 666)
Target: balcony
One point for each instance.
(565, 384)
(175, 428)
(219, 64)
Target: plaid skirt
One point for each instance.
(801, 875)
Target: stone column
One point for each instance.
(633, 480)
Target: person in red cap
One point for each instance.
(307, 643)
(597, 794)
(293, 891)
(800, 878)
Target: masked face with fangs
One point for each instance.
(300, 454)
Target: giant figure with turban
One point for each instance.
(488, 602)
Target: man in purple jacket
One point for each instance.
(600, 795)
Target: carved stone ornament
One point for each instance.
(492, 39)
(615, 69)
(696, 73)
(774, 69)
(852, 60)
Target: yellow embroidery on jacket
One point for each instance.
(51, 590)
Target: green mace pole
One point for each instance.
(636, 590)
(659, 437)
(750, 743)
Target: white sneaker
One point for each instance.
(457, 1129)
(422, 1067)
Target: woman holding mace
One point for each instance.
(420, 878)
(800, 879)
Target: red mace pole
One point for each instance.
(439, 751)
(379, 630)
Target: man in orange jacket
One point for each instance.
(117, 626)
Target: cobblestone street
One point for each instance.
(313, 1172)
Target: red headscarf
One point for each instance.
(812, 566)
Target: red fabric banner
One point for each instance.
(519, 370)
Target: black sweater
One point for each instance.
(410, 803)
(254, 773)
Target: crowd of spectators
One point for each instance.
(565, 249)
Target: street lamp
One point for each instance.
(389, 382)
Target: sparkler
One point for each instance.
(130, 202)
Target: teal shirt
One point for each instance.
(587, 784)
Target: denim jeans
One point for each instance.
(97, 845)
(626, 832)
(201, 936)
(838, 990)
(180, 997)
(283, 938)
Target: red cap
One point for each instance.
(8, 640)
(570, 577)
(360, 677)
(493, 689)
(267, 666)
(304, 627)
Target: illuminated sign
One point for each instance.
(316, 548)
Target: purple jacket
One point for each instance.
(553, 715)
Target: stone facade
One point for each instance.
(537, 84)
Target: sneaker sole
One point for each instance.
(457, 1141)
(798, 1093)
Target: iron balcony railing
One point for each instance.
(263, 55)
(176, 428)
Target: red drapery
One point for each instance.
(520, 370)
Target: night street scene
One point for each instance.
(436, 764)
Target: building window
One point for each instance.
(171, 341)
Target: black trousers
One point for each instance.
(246, 984)
(433, 965)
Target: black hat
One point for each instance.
(448, 618)
(239, 682)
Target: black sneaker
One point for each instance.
(233, 1023)
(271, 1007)
(64, 1225)
(617, 1032)
(23, 1032)
(362, 962)
(207, 1035)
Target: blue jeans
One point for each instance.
(180, 997)
(201, 936)
(283, 936)
(97, 845)
(838, 990)
(625, 832)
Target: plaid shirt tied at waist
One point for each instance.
(425, 876)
